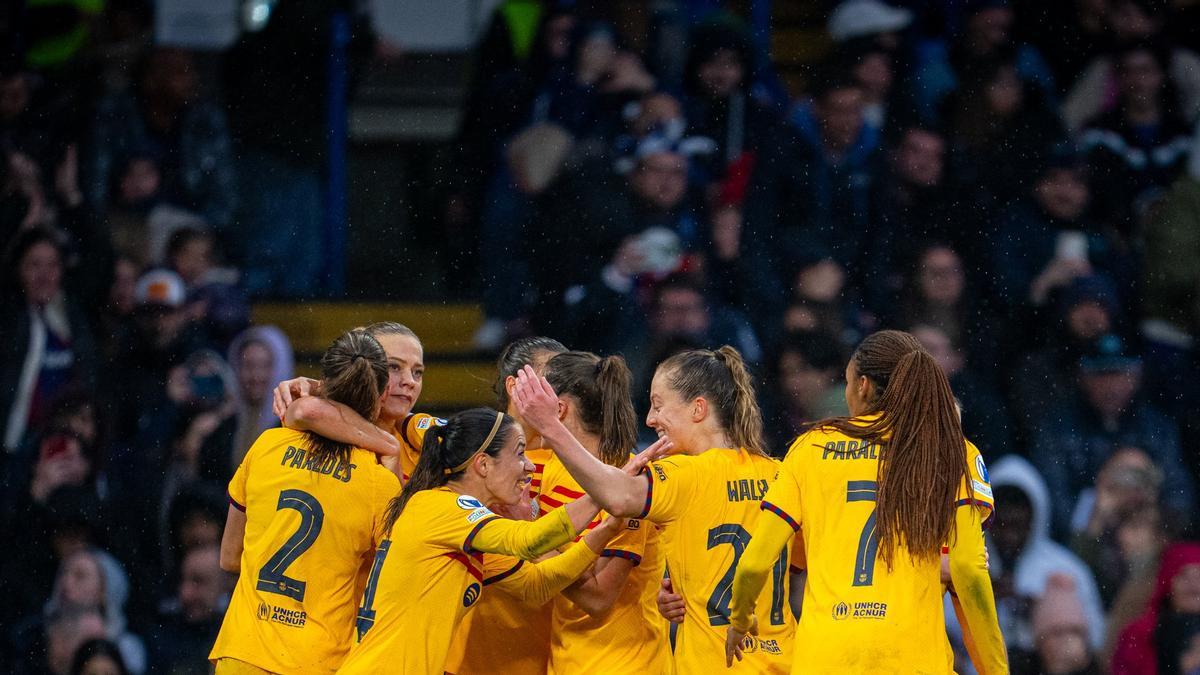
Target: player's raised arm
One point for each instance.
(615, 490)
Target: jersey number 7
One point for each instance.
(868, 542)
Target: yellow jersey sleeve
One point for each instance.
(456, 528)
(237, 484)
(980, 494)
(783, 497)
(537, 583)
(629, 544)
(524, 539)
(411, 434)
(672, 484)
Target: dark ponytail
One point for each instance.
(516, 355)
(721, 378)
(446, 448)
(924, 458)
(354, 372)
(602, 389)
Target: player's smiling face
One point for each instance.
(406, 373)
(669, 415)
(510, 472)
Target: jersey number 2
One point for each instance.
(868, 542)
(271, 578)
(718, 603)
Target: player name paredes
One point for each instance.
(851, 450)
(299, 458)
(860, 610)
(295, 618)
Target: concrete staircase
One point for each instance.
(456, 377)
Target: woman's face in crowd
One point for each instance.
(254, 372)
(40, 271)
(722, 73)
(1185, 590)
(1141, 77)
(406, 374)
(83, 582)
(941, 278)
(1004, 93)
(670, 416)
(510, 473)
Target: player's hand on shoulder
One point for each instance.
(290, 390)
(657, 450)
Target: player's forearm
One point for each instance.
(614, 490)
(770, 535)
(973, 586)
(537, 583)
(337, 421)
(530, 540)
(596, 592)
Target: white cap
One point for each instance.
(856, 18)
(160, 287)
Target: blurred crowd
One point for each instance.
(1016, 183)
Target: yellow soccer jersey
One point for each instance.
(411, 434)
(707, 505)
(405, 625)
(859, 616)
(631, 636)
(498, 616)
(310, 531)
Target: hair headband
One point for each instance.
(482, 446)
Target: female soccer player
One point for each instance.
(606, 622)
(403, 430)
(304, 512)
(428, 571)
(877, 496)
(483, 643)
(706, 498)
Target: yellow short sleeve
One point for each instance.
(630, 543)
(980, 494)
(237, 484)
(672, 482)
(456, 527)
(783, 497)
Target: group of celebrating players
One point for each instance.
(530, 539)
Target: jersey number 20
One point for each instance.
(718, 603)
(271, 578)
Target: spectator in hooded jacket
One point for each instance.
(1023, 559)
